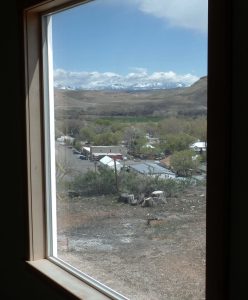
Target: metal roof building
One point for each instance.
(152, 169)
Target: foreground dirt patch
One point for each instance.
(114, 243)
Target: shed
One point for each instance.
(109, 162)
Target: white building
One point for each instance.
(110, 162)
(65, 139)
(199, 146)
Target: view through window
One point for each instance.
(129, 116)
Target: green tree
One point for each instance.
(87, 133)
(77, 144)
(107, 138)
(137, 144)
(135, 139)
(176, 142)
(172, 126)
(185, 162)
(198, 128)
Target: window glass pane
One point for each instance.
(130, 116)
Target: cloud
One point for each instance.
(138, 79)
(190, 14)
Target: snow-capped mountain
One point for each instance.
(139, 80)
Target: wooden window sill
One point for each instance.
(66, 281)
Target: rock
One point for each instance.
(126, 198)
(133, 202)
(159, 197)
(148, 202)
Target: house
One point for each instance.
(199, 146)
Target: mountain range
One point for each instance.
(122, 86)
(191, 101)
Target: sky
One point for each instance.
(138, 43)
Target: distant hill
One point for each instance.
(191, 101)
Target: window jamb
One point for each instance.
(34, 133)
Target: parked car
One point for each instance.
(83, 157)
(75, 151)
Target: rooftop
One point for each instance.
(151, 169)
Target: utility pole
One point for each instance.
(95, 164)
(116, 178)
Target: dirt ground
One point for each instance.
(163, 259)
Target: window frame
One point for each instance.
(219, 57)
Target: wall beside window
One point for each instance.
(229, 170)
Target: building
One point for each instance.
(153, 170)
(65, 139)
(110, 163)
(199, 146)
(98, 152)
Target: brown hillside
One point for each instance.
(181, 101)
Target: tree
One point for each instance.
(172, 126)
(198, 128)
(185, 162)
(107, 138)
(87, 133)
(177, 142)
(135, 139)
(77, 145)
(151, 128)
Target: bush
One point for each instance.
(138, 184)
(103, 182)
(95, 183)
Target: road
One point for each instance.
(67, 160)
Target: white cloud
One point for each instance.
(190, 14)
(138, 79)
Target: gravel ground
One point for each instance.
(113, 242)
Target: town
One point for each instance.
(190, 165)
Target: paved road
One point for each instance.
(67, 160)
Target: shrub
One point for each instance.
(95, 183)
